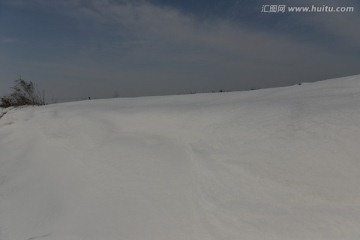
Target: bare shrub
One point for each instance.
(24, 93)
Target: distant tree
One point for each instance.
(24, 93)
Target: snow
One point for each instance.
(279, 163)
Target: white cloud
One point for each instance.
(152, 28)
(10, 40)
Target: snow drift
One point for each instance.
(279, 163)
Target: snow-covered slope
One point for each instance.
(269, 164)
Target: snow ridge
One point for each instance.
(268, 164)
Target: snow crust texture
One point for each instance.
(269, 164)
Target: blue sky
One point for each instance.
(100, 48)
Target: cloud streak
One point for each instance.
(179, 52)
